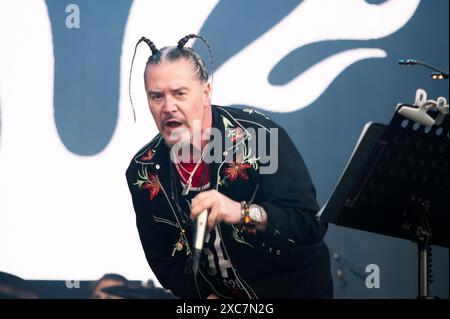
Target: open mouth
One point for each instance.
(172, 124)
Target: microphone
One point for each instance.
(439, 74)
(407, 61)
(199, 239)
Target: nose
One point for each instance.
(170, 105)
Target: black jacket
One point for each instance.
(288, 260)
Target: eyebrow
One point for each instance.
(181, 89)
(173, 90)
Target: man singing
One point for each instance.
(263, 239)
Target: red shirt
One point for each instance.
(198, 175)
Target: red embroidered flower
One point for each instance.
(152, 185)
(148, 156)
(236, 170)
(238, 135)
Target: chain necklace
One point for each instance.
(174, 192)
(188, 182)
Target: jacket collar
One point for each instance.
(155, 155)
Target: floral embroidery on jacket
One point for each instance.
(237, 170)
(238, 135)
(147, 156)
(243, 155)
(148, 181)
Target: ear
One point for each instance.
(207, 93)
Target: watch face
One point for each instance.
(255, 214)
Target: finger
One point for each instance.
(202, 195)
(212, 218)
(196, 209)
(200, 205)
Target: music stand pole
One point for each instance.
(417, 223)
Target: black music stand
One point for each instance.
(396, 184)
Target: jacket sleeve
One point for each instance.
(158, 245)
(289, 198)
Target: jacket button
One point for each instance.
(157, 166)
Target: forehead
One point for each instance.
(169, 74)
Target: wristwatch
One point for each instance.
(255, 213)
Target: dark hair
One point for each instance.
(174, 53)
(111, 276)
(115, 277)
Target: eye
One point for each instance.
(180, 93)
(155, 97)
